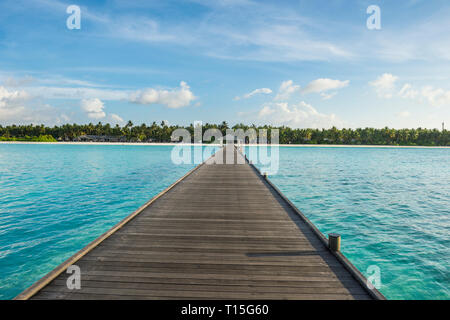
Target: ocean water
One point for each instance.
(55, 199)
(390, 205)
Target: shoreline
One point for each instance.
(217, 145)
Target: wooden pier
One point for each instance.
(222, 231)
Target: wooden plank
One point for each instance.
(127, 294)
(211, 288)
(182, 279)
(241, 278)
(221, 232)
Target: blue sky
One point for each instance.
(304, 63)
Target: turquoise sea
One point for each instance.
(392, 206)
(55, 199)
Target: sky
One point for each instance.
(303, 63)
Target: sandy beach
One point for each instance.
(250, 145)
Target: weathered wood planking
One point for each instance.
(221, 232)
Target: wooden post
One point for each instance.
(334, 241)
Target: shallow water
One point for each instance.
(391, 206)
(55, 199)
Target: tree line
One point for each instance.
(162, 133)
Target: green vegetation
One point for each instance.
(40, 138)
(162, 133)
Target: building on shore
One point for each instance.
(96, 138)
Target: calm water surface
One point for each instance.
(55, 199)
(391, 206)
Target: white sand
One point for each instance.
(189, 144)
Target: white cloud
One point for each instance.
(58, 87)
(223, 3)
(327, 96)
(174, 98)
(12, 103)
(436, 97)
(265, 31)
(77, 93)
(407, 92)
(8, 97)
(385, 88)
(19, 107)
(404, 114)
(273, 41)
(93, 108)
(265, 111)
(64, 118)
(300, 115)
(261, 32)
(425, 39)
(322, 85)
(384, 85)
(116, 118)
(143, 29)
(287, 88)
(13, 82)
(256, 91)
